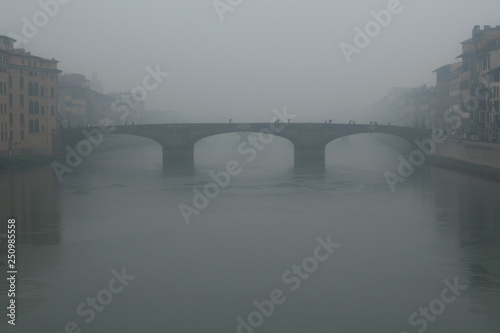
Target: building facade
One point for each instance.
(73, 92)
(480, 82)
(410, 107)
(447, 78)
(80, 105)
(28, 101)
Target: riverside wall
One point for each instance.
(478, 158)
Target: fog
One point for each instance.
(262, 55)
(189, 228)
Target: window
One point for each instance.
(31, 126)
(21, 83)
(11, 119)
(35, 89)
(21, 120)
(496, 76)
(30, 109)
(43, 110)
(52, 92)
(36, 107)
(37, 126)
(21, 101)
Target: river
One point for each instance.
(278, 249)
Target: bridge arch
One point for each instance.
(383, 134)
(365, 150)
(259, 129)
(405, 133)
(246, 146)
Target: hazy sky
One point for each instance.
(265, 54)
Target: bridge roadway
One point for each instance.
(178, 140)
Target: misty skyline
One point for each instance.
(262, 56)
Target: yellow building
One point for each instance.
(79, 104)
(74, 90)
(28, 101)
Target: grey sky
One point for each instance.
(265, 54)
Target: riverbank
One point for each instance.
(17, 163)
(474, 158)
(466, 168)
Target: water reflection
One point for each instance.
(31, 198)
(469, 211)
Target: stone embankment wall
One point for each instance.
(478, 153)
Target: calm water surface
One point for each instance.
(119, 210)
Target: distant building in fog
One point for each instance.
(95, 84)
(126, 108)
(409, 107)
(79, 105)
(28, 100)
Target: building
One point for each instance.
(395, 107)
(471, 86)
(126, 109)
(409, 107)
(95, 84)
(79, 104)
(446, 78)
(28, 101)
(73, 90)
(480, 82)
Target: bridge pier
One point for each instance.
(178, 156)
(309, 155)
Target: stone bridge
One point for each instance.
(178, 140)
